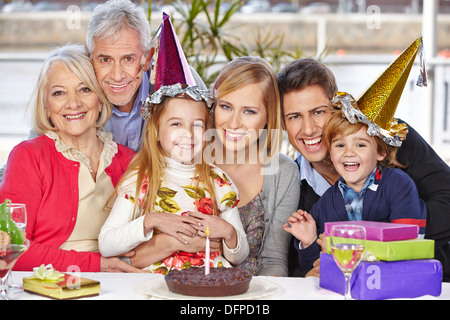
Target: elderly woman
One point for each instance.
(67, 174)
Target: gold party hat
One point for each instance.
(377, 106)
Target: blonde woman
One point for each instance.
(66, 175)
(247, 119)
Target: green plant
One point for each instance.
(209, 40)
(269, 47)
(202, 36)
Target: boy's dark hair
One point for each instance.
(305, 72)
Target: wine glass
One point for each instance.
(8, 257)
(19, 216)
(13, 244)
(346, 251)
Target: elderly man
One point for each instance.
(118, 40)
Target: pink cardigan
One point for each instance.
(47, 182)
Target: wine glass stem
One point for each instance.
(4, 286)
(348, 294)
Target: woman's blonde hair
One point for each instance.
(75, 58)
(149, 161)
(339, 125)
(243, 71)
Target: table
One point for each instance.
(123, 286)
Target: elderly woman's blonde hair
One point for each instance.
(75, 59)
(250, 70)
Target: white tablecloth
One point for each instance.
(123, 286)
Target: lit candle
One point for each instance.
(207, 255)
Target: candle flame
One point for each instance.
(207, 231)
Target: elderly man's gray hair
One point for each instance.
(110, 17)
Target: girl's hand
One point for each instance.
(171, 224)
(198, 243)
(162, 245)
(218, 228)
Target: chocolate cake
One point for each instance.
(220, 282)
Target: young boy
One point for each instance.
(369, 187)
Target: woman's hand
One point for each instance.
(218, 228)
(171, 224)
(162, 245)
(114, 264)
(198, 243)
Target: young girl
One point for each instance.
(168, 177)
(369, 187)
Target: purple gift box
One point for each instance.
(381, 231)
(384, 279)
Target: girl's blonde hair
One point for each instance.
(149, 161)
(75, 59)
(339, 125)
(243, 71)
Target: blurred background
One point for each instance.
(357, 39)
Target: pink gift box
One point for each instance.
(381, 231)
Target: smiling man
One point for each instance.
(305, 113)
(118, 40)
(306, 89)
(119, 66)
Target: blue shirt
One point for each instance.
(127, 127)
(318, 183)
(353, 200)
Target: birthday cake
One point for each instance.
(220, 282)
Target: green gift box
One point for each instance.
(395, 250)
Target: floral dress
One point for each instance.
(179, 193)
